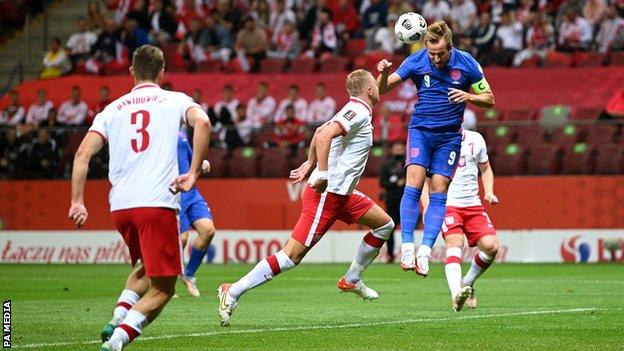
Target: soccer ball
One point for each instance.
(410, 28)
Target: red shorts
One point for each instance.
(470, 221)
(151, 234)
(320, 211)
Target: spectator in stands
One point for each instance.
(261, 13)
(95, 16)
(44, 155)
(385, 38)
(373, 18)
(399, 7)
(483, 38)
(162, 23)
(73, 112)
(575, 33)
(192, 47)
(497, 9)
(436, 10)
(392, 180)
(322, 108)
(610, 37)
(38, 111)
(244, 125)
(470, 120)
(57, 131)
(540, 38)
(132, 36)
(345, 19)
(105, 48)
(14, 113)
(289, 132)
(260, 108)
(198, 99)
(187, 11)
(464, 14)
(10, 150)
(251, 44)
(388, 127)
(100, 105)
(227, 106)
(231, 14)
(55, 62)
(293, 99)
(310, 19)
(286, 44)
(324, 39)
(279, 15)
(217, 40)
(509, 36)
(140, 15)
(79, 43)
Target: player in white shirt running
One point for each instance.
(466, 216)
(338, 153)
(141, 129)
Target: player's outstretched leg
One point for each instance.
(367, 252)
(264, 271)
(205, 230)
(146, 310)
(410, 210)
(488, 246)
(433, 222)
(136, 285)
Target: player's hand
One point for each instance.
(183, 183)
(491, 198)
(320, 185)
(298, 175)
(205, 167)
(457, 96)
(78, 214)
(384, 66)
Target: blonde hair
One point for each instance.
(357, 82)
(439, 30)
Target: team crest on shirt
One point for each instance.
(462, 162)
(414, 152)
(349, 115)
(455, 74)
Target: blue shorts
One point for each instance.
(192, 212)
(437, 152)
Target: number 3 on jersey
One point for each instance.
(145, 137)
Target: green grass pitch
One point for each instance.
(521, 307)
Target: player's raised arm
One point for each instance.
(91, 145)
(487, 178)
(386, 81)
(199, 121)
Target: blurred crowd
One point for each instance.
(243, 33)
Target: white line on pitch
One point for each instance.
(322, 327)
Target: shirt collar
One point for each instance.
(145, 85)
(360, 101)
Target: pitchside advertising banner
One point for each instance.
(240, 246)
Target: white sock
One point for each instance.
(452, 269)
(264, 271)
(366, 253)
(130, 328)
(479, 264)
(423, 250)
(127, 299)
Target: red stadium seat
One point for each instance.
(116, 68)
(543, 159)
(587, 113)
(577, 159)
(355, 47)
(376, 159)
(272, 65)
(218, 165)
(588, 59)
(566, 136)
(609, 159)
(530, 135)
(208, 66)
(298, 158)
(334, 63)
(274, 163)
(244, 163)
(520, 114)
(488, 115)
(303, 65)
(600, 134)
(509, 160)
(532, 62)
(499, 135)
(558, 59)
(617, 59)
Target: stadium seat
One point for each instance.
(609, 159)
(115, 68)
(261, 138)
(303, 65)
(600, 134)
(519, 114)
(509, 160)
(274, 163)
(218, 165)
(555, 115)
(577, 159)
(543, 159)
(488, 115)
(588, 59)
(533, 62)
(272, 65)
(334, 63)
(298, 158)
(208, 66)
(499, 135)
(244, 162)
(558, 59)
(566, 136)
(376, 160)
(355, 47)
(529, 135)
(617, 59)
(587, 113)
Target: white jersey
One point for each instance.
(464, 189)
(141, 128)
(348, 153)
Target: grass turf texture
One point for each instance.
(521, 307)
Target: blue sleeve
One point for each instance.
(406, 68)
(475, 72)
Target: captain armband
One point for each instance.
(481, 86)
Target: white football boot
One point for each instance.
(408, 260)
(422, 260)
(358, 288)
(191, 287)
(461, 297)
(471, 302)
(227, 304)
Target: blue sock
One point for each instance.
(196, 259)
(434, 218)
(409, 213)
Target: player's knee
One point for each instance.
(384, 231)
(490, 246)
(439, 184)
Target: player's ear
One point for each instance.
(131, 70)
(161, 77)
